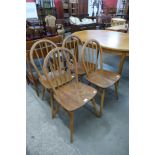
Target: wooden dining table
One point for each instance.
(111, 42)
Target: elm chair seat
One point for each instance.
(92, 56)
(103, 78)
(71, 98)
(45, 82)
(66, 89)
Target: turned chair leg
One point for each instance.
(52, 104)
(102, 102)
(116, 90)
(43, 92)
(71, 125)
(95, 108)
(36, 88)
(55, 109)
(27, 80)
(37, 92)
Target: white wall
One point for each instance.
(31, 10)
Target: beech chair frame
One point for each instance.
(29, 71)
(73, 42)
(38, 51)
(66, 90)
(95, 74)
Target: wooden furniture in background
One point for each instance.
(83, 8)
(65, 88)
(81, 27)
(119, 28)
(111, 11)
(74, 8)
(78, 8)
(65, 5)
(65, 10)
(117, 21)
(111, 42)
(56, 39)
(95, 73)
(44, 8)
(30, 74)
(74, 44)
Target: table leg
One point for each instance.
(120, 69)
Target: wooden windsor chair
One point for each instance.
(74, 44)
(31, 74)
(66, 90)
(38, 52)
(92, 58)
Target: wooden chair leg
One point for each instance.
(27, 80)
(121, 64)
(55, 109)
(36, 88)
(52, 104)
(95, 108)
(102, 101)
(43, 92)
(116, 90)
(71, 124)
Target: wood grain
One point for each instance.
(108, 39)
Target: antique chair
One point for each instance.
(74, 44)
(31, 74)
(52, 27)
(38, 52)
(33, 33)
(67, 91)
(95, 74)
(117, 21)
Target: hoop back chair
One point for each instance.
(31, 75)
(74, 44)
(67, 90)
(92, 58)
(38, 52)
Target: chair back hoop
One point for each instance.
(38, 52)
(28, 47)
(90, 54)
(58, 67)
(73, 43)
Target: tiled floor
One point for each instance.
(108, 135)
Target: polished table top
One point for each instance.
(112, 40)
